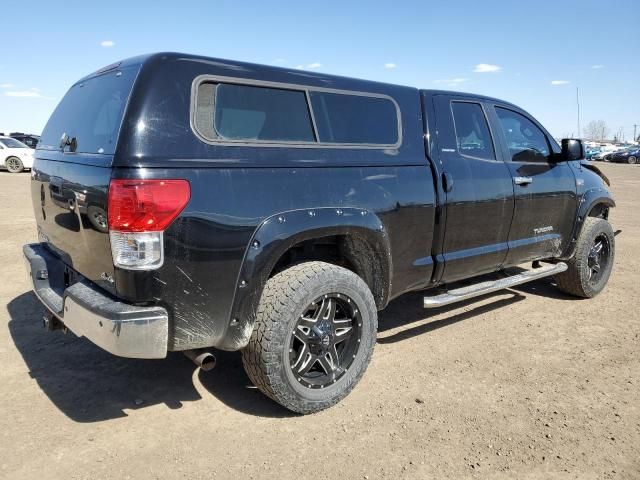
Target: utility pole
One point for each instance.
(635, 137)
(578, 103)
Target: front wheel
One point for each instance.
(14, 165)
(314, 336)
(632, 159)
(591, 265)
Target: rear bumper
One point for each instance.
(119, 328)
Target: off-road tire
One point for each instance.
(14, 165)
(575, 280)
(283, 301)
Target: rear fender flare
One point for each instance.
(277, 234)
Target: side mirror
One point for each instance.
(572, 149)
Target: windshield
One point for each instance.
(12, 143)
(92, 112)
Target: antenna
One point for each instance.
(578, 103)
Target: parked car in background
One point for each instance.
(592, 152)
(28, 139)
(15, 156)
(606, 151)
(630, 155)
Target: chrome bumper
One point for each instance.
(119, 328)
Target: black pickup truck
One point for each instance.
(185, 203)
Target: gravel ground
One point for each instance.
(527, 383)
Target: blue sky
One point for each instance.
(533, 54)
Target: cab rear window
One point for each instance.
(92, 112)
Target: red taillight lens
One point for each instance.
(146, 205)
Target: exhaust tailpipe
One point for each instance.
(203, 359)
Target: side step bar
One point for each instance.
(465, 293)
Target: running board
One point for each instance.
(465, 293)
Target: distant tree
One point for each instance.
(596, 130)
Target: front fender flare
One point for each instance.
(277, 234)
(589, 200)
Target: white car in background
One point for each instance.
(15, 156)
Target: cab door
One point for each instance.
(478, 204)
(545, 187)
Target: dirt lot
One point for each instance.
(527, 383)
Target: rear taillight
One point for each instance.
(138, 213)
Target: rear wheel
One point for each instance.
(14, 165)
(98, 218)
(591, 265)
(314, 336)
(632, 159)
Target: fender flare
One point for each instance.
(277, 234)
(589, 200)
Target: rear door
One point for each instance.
(545, 189)
(479, 190)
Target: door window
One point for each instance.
(472, 131)
(526, 142)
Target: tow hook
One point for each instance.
(203, 359)
(50, 322)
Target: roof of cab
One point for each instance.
(468, 95)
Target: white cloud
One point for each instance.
(451, 82)
(560, 82)
(487, 68)
(23, 93)
(107, 43)
(310, 66)
(6, 85)
(390, 65)
(279, 61)
(597, 67)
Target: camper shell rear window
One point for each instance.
(91, 111)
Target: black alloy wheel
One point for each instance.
(598, 259)
(325, 340)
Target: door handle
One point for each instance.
(522, 180)
(447, 181)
